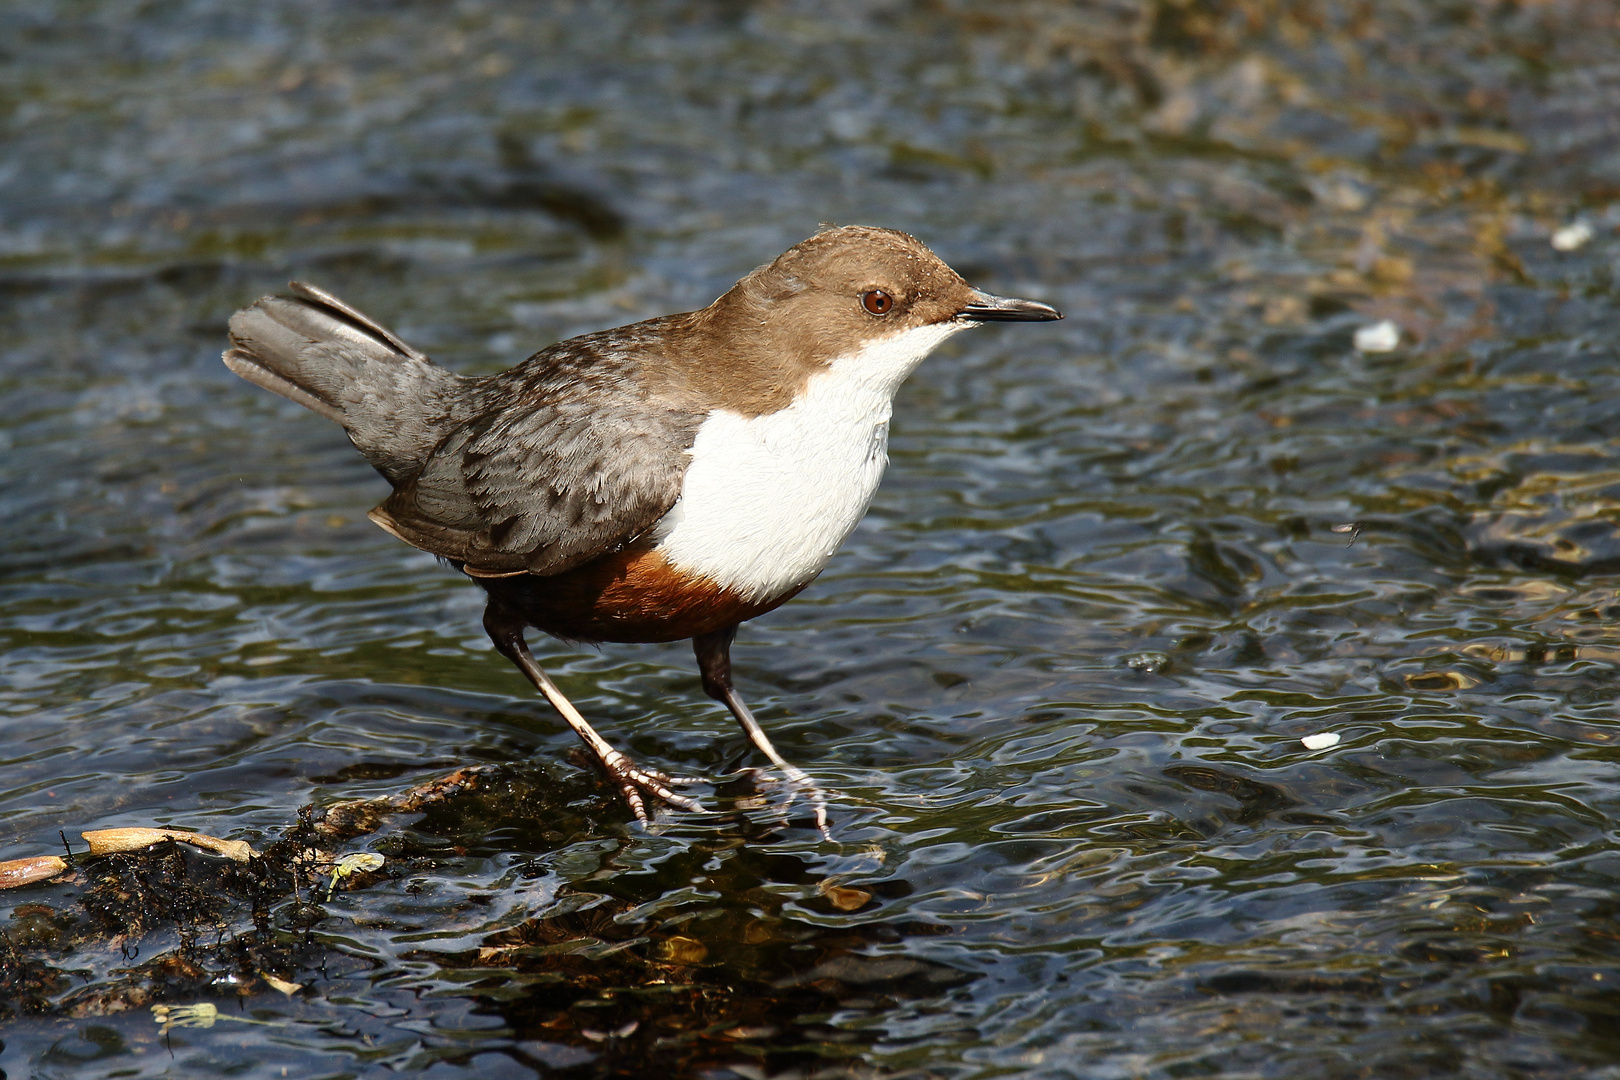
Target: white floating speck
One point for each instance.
(1321, 740)
(1379, 337)
(1572, 236)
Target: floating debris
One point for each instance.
(288, 988)
(16, 872)
(204, 1014)
(844, 897)
(1351, 527)
(356, 817)
(1439, 680)
(210, 929)
(1378, 337)
(1149, 663)
(108, 841)
(1321, 740)
(353, 864)
(1572, 237)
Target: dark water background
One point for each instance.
(1056, 682)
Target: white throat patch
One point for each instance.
(767, 500)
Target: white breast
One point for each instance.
(768, 499)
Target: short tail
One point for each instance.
(314, 349)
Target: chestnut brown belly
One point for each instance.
(629, 595)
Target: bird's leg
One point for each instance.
(714, 664)
(507, 634)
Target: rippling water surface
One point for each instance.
(1056, 683)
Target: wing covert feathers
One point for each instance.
(532, 471)
(573, 462)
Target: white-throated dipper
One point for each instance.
(665, 480)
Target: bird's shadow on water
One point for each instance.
(709, 940)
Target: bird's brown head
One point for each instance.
(858, 282)
(837, 293)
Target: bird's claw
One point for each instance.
(634, 780)
(798, 780)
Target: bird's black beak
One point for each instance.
(987, 308)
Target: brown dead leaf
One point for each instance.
(107, 841)
(15, 872)
(845, 898)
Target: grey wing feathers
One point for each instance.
(316, 350)
(532, 471)
(544, 486)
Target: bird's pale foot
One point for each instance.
(799, 780)
(633, 781)
(796, 780)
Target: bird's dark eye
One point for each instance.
(877, 302)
